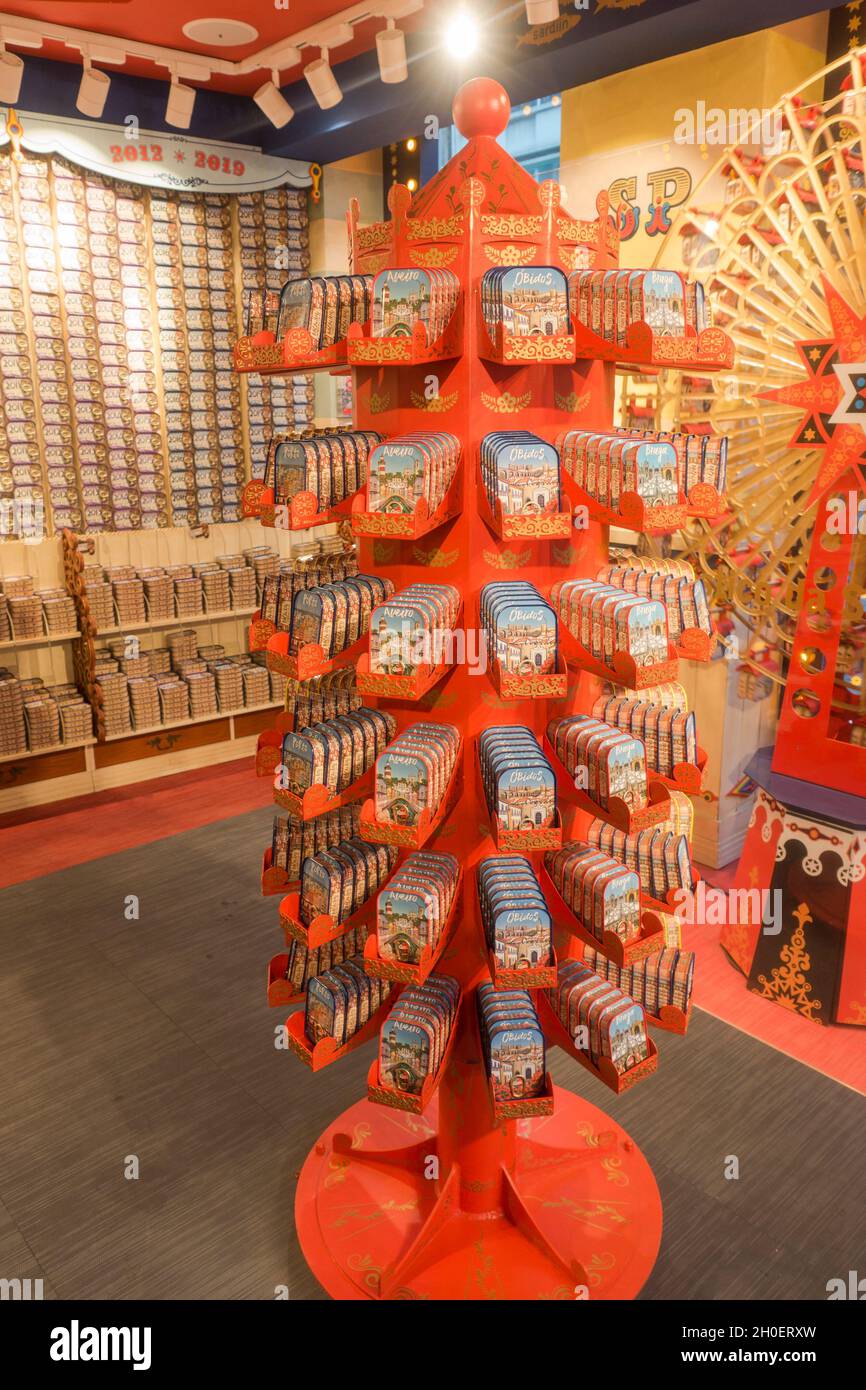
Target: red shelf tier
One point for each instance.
(623, 670)
(541, 526)
(304, 665)
(326, 1051)
(414, 1104)
(613, 947)
(300, 513)
(633, 514)
(411, 836)
(317, 800)
(532, 977)
(274, 880)
(323, 928)
(281, 992)
(709, 351)
(617, 812)
(408, 350)
(604, 1070)
(408, 525)
(264, 354)
(406, 972)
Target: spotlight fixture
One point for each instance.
(411, 144)
(542, 11)
(92, 90)
(271, 101)
(461, 35)
(11, 73)
(323, 83)
(178, 108)
(391, 48)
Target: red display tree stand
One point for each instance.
(807, 838)
(471, 1198)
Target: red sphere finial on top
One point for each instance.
(481, 107)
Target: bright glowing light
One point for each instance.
(411, 144)
(711, 226)
(411, 184)
(461, 35)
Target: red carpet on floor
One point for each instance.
(91, 827)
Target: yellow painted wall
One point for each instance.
(624, 124)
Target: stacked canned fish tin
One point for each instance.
(13, 731)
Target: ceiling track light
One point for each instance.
(92, 90)
(270, 100)
(323, 83)
(11, 74)
(178, 108)
(391, 50)
(542, 11)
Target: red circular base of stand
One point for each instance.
(579, 1211)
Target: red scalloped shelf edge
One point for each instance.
(538, 977)
(688, 777)
(524, 842)
(713, 349)
(414, 973)
(509, 686)
(617, 813)
(389, 687)
(509, 528)
(411, 525)
(623, 672)
(274, 880)
(281, 992)
(363, 350)
(706, 501)
(693, 644)
(669, 906)
(316, 801)
(604, 1071)
(405, 1100)
(258, 353)
(622, 953)
(326, 1051)
(633, 514)
(303, 511)
(268, 746)
(510, 350)
(259, 632)
(532, 1108)
(412, 836)
(670, 1019)
(310, 661)
(254, 499)
(323, 928)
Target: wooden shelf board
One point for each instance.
(160, 623)
(48, 639)
(188, 723)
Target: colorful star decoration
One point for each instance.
(833, 396)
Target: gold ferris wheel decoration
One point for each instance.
(784, 261)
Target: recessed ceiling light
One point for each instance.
(461, 34)
(220, 33)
